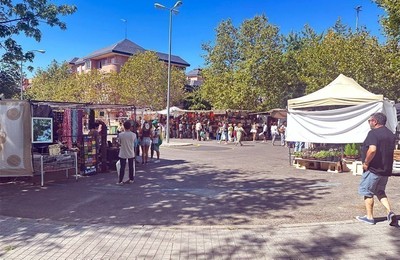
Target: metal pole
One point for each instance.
(169, 73)
(22, 79)
(358, 9)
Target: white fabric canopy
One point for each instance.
(173, 111)
(343, 125)
(342, 91)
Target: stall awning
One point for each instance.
(343, 91)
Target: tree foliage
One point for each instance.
(356, 55)
(391, 21)
(244, 68)
(8, 78)
(25, 17)
(251, 67)
(141, 82)
(254, 67)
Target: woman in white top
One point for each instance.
(274, 132)
(254, 131)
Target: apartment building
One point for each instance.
(113, 57)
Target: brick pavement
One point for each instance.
(58, 236)
(32, 239)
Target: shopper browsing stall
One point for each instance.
(126, 140)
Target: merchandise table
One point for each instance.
(52, 163)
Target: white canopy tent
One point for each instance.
(173, 111)
(347, 124)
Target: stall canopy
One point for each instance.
(278, 113)
(343, 91)
(345, 122)
(173, 111)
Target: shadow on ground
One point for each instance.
(170, 193)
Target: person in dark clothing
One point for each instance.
(377, 157)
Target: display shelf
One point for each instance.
(88, 155)
(52, 163)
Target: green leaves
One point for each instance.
(141, 82)
(241, 65)
(391, 21)
(24, 18)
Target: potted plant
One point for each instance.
(322, 155)
(351, 154)
(334, 155)
(351, 151)
(298, 154)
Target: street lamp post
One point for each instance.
(358, 10)
(22, 75)
(173, 10)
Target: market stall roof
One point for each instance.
(278, 113)
(343, 91)
(344, 124)
(172, 111)
(64, 105)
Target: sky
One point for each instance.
(100, 23)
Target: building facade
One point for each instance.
(113, 57)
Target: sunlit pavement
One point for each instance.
(202, 201)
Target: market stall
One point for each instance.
(336, 114)
(45, 136)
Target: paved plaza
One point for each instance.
(202, 201)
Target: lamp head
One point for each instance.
(41, 51)
(159, 6)
(177, 4)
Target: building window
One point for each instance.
(87, 64)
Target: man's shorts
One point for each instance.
(372, 184)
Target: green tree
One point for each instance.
(357, 55)
(25, 18)
(220, 61)
(194, 101)
(244, 68)
(143, 82)
(390, 22)
(56, 83)
(8, 77)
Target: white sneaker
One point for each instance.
(157, 161)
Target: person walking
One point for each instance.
(239, 134)
(253, 130)
(199, 127)
(274, 132)
(265, 132)
(127, 140)
(155, 144)
(282, 132)
(377, 158)
(230, 133)
(145, 141)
